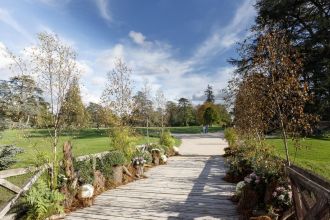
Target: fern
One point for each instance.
(43, 202)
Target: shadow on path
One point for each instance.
(209, 196)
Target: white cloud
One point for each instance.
(137, 37)
(5, 62)
(103, 7)
(224, 38)
(7, 18)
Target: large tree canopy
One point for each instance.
(307, 26)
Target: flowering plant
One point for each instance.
(239, 188)
(252, 179)
(282, 197)
(138, 161)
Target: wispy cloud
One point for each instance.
(137, 37)
(103, 7)
(8, 19)
(224, 38)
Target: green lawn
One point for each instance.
(314, 156)
(179, 130)
(88, 141)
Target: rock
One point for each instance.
(117, 175)
(99, 182)
(86, 191)
(164, 159)
(176, 150)
(155, 153)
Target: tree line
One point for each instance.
(23, 105)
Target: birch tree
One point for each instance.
(160, 101)
(118, 92)
(55, 65)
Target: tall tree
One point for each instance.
(171, 115)
(160, 101)
(209, 94)
(185, 111)
(55, 64)
(21, 99)
(74, 114)
(118, 92)
(273, 84)
(306, 23)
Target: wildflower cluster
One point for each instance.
(252, 179)
(282, 196)
(138, 161)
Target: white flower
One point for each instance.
(137, 162)
(274, 194)
(281, 197)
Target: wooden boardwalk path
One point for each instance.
(188, 187)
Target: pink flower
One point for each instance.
(274, 194)
(257, 181)
(247, 179)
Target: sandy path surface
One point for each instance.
(202, 144)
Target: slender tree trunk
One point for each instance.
(148, 130)
(28, 120)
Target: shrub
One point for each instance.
(7, 156)
(42, 202)
(121, 140)
(106, 163)
(145, 155)
(231, 136)
(166, 139)
(114, 158)
(85, 171)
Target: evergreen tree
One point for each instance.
(209, 94)
(73, 111)
(185, 111)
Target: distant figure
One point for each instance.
(207, 129)
(204, 129)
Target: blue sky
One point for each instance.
(179, 46)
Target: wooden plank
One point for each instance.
(27, 186)
(10, 186)
(16, 172)
(186, 188)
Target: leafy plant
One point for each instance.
(114, 158)
(145, 155)
(43, 202)
(121, 140)
(166, 139)
(7, 156)
(231, 136)
(85, 171)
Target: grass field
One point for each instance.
(179, 130)
(314, 156)
(36, 142)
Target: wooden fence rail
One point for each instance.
(311, 194)
(39, 171)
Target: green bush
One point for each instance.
(106, 163)
(7, 156)
(85, 171)
(144, 154)
(42, 202)
(231, 136)
(122, 140)
(166, 139)
(114, 158)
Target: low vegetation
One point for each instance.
(36, 142)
